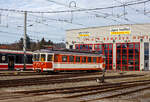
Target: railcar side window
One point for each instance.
(56, 58)
(64, 58)
(94, 59)
(19, 58)
(3, 59)
(0, 59)
(71, 58)
(83, 59)
(29, 59)
(50, 57)
(77, 58)
(89, 59)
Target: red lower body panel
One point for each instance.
(69, 69)
(21, 66)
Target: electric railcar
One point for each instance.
(56, 61)
(14, 60)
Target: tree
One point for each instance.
(28, 42)
(20, 44)
(49, 42)
(42, 43)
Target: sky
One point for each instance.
(53, 26)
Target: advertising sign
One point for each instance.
(119, 31)
(82, 34)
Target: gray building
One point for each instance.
(126, 47)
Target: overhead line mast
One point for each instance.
(25, 37)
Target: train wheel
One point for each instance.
(39, 71)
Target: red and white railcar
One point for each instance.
(14, 60)
(55, 61)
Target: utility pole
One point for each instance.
(25, 37)
(104, 70)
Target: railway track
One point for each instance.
(110, 91)
(31, 73)
(67, 78)
(88, 93)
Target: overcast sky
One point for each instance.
(52, 26)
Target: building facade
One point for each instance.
(126, 47)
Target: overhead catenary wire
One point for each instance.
(127, 19)
(97, 10)
(78, 10)
(106, 14)
(18, 28)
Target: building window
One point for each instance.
(127, 57)
(71, 47)
(84, 46)
(107, 50)
(90, 47)
(77, 46)
(146, 56)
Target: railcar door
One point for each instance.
(11, 64)
(50, 59)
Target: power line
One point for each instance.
(127, 19)
(97, 15)
(60, 20)
(78, 10)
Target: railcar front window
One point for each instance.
(49, 58)
(42, 57)
(37, 57)
(34, 57)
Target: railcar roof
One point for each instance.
(68, 52)
(14, 51)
